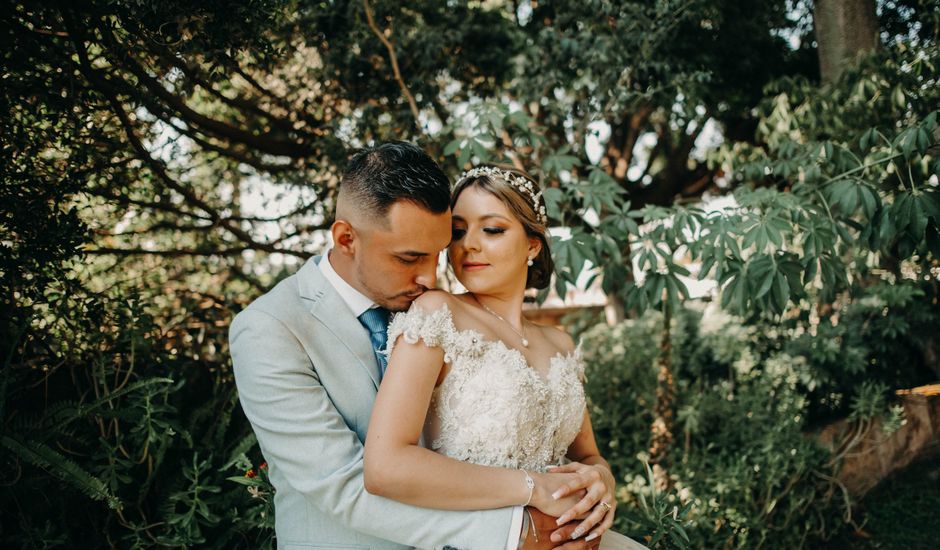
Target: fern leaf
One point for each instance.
(86, 409)
(241, 448)
(47, 458)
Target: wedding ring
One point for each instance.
(605, 505)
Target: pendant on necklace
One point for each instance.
(525, 343)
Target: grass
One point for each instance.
(903, 512)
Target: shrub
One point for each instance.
(743, 471)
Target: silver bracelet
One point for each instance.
(530, 483)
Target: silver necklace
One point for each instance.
(525, 341)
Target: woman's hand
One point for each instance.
(548, 485)
(599, 502)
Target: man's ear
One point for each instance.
(344, 237)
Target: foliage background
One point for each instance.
(165, 162)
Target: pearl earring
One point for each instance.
(530, 262)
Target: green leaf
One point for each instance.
(842, 193)
(727, 293)
(761, 271)
(930, 200)
(52, 461)
(452, 147)
(902, 211)
(741, 294)
(923, 140)
(870, 200)
(464, 157)
(678, 289)
(932, 238)
(80, 412)
(780, 293)
(884, 221)
(812, 268)
(518, 119)
(672, 291)
(654, 287)
(561, 288)
(707, 265)
(481, 151)
(559, 162)
(898, 97)
(930, 121)
(869, 138)
(908, 142)
(918, 218)
(554, 198)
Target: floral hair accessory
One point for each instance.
(522, 184)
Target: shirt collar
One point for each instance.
(358, 302)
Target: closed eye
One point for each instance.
(456, 233)
(494, 230)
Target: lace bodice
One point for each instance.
(493, 408)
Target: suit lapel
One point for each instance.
(329, 308)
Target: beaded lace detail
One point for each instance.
(493, 408)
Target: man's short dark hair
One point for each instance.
(380, 176)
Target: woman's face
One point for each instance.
(489, 247)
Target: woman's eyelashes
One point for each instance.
(458, 233)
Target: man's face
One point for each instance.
(396, 265)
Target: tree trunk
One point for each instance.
(616, 309)
(665, 402)
(844, 30)
(238, 263)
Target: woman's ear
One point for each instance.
(535, 247)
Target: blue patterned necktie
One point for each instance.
(376, 322)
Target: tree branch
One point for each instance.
(158, 226)
(623, 137)
(231, 251)
(394, 59)
(266, 144)
(151, 205)
(303, 230)
(298, 210)
(195, 75)
(155, 165)
(229, 152)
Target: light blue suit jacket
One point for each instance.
(307, 379)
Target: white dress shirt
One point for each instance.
(359, 303)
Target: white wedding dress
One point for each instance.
(494, 409)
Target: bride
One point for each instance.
(498, 399)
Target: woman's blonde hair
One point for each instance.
(524, 204)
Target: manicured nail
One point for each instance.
(561, 520)
(591, 537)
(557, 494)
(576, 534)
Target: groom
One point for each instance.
(307, 368)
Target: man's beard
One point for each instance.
(391, 303)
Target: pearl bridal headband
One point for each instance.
(522, 184)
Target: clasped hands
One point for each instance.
(576, 491)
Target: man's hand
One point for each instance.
(550, 535)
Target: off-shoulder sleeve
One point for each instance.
(435, 328)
